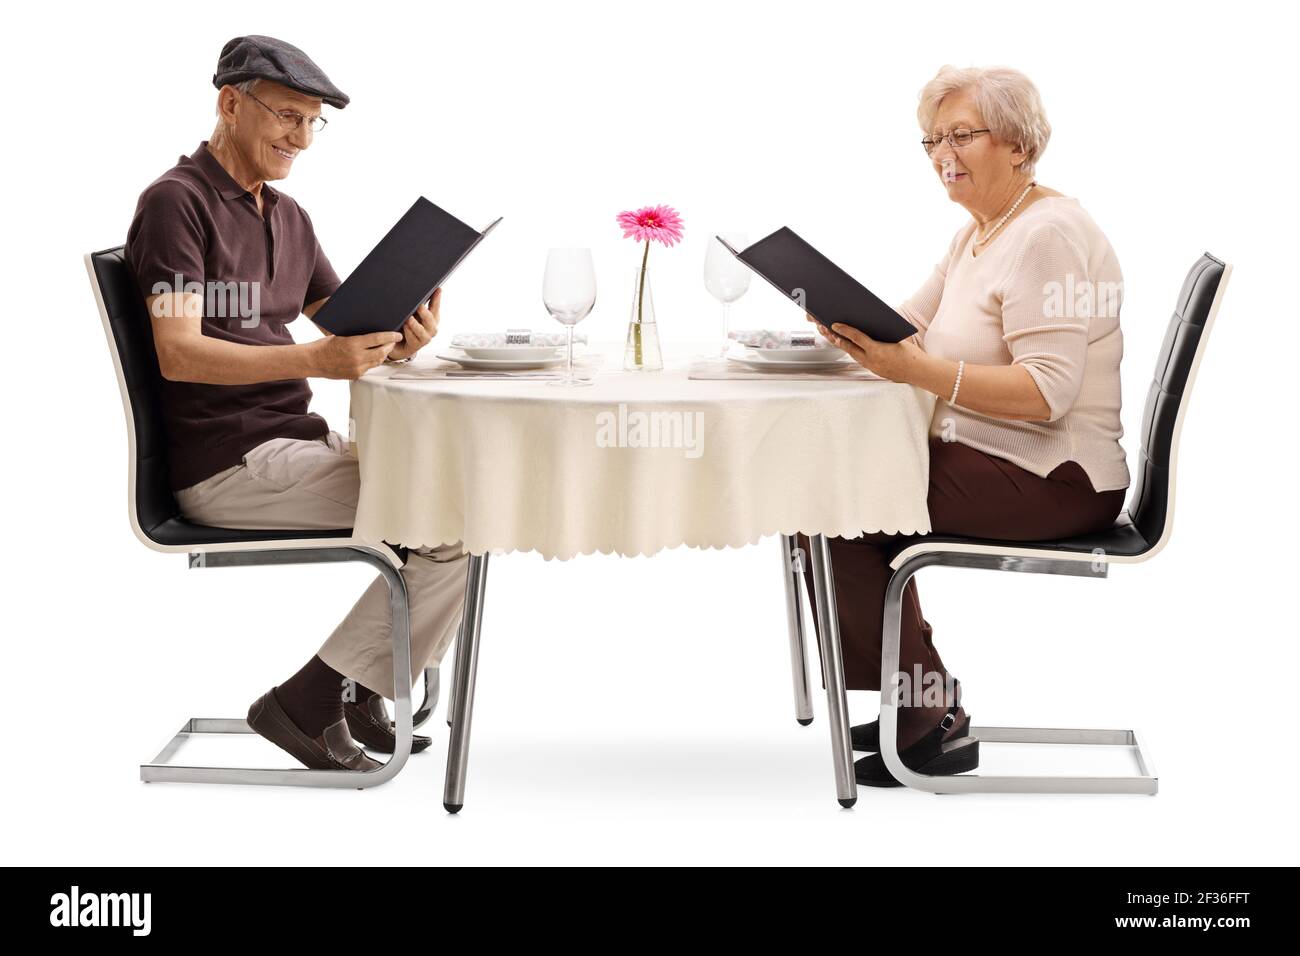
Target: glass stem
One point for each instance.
(725, 307)
(568, 366)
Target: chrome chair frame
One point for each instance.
(210, 548)
(161, 770)
(1144, 781)
(1072, 558)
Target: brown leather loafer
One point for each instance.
(369, 726)
(334, 749)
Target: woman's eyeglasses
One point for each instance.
(291, 120)
(961, 136)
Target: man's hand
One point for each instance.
(419, 329)
(351, 356)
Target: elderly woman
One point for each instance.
(1018, 334)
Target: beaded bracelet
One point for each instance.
(961, 367)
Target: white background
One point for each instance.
(639, 710)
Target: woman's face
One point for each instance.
(976, 175)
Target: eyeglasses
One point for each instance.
(292, 120)
(957, 137)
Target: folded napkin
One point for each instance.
(774, 339)
(523, 338)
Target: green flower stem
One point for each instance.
(640, 300)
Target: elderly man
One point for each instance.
(210, 238)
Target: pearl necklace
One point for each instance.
(1015, 206)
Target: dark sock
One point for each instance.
(313, 697)
(364, 693)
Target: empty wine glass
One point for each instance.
(725, 276)
(569, 291)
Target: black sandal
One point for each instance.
(931, 755)
(866, 737)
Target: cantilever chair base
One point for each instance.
(1027, 560)
(161, 770)
(1144, 781)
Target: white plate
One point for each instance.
(772, 365)
(510, 353)
(501, 365)
(804, 354)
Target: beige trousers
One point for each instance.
(313, 484)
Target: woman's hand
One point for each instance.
(895, 361)
(419, 329)
(1002, 391)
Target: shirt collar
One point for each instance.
(222, 181)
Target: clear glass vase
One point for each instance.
(641, 353)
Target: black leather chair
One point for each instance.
(1139, 533)
(158, 523)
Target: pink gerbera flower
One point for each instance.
(652, 223)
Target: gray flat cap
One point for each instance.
(266, 58)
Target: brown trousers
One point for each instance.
(973, 494)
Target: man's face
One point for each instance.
(267, 146)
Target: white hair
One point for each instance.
(1007, 100)
(219, 134)
(245, 86)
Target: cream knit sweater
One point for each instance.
(1045, 293)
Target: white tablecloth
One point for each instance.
(636, 462)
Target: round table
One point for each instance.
(634, 463)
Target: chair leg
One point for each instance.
(453, 797)
(1145, 781)
(161, 771)
(837, 709)
(792, 559)
(432, 686)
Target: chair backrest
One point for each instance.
(1151, 507)
(130, 341)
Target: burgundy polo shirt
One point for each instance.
(257, 272)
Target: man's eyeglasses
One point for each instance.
(292, 120)
(957, 137)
